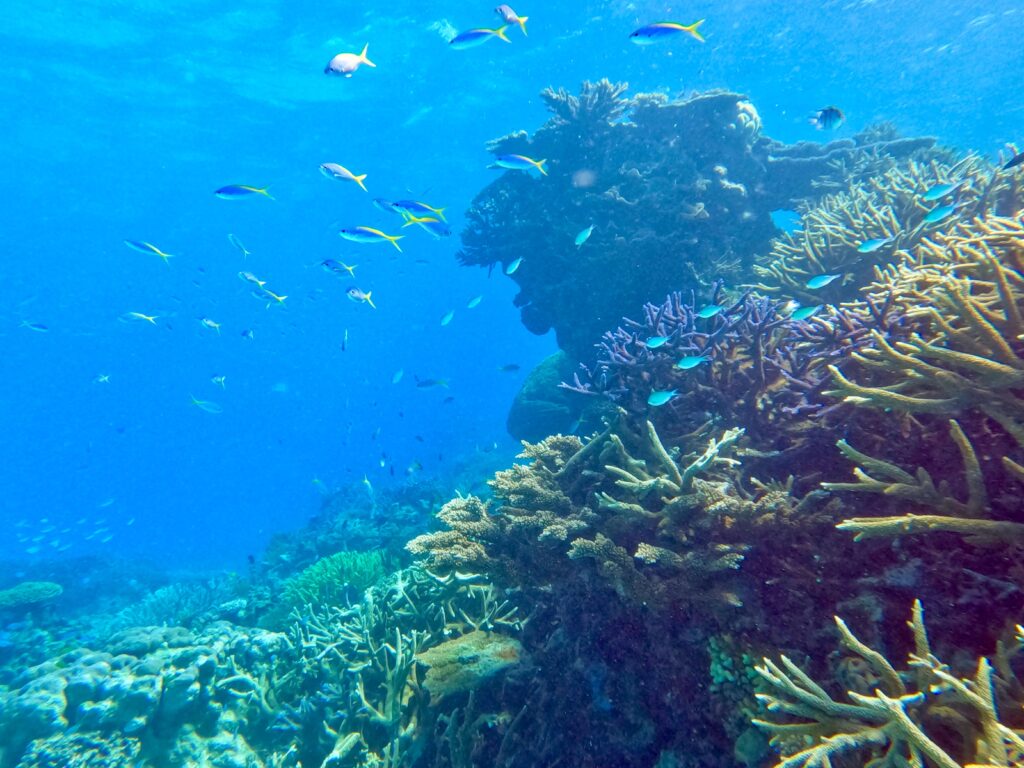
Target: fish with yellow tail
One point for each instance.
(345, 64)
(662, 30)
(360, 297)
(511, 17)
(369, 235)
(341, 173)
(519, 163)
(471, 38)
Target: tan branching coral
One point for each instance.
(900, 724)
(962, 293)
(884, 207)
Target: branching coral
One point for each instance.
(851, 231)
(654, 522)
(965, 298)
(906, 721)
(370, 703)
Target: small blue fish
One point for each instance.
(474, 302)
(870, 246)
(820, 281)
(939, 191)
(370, 235)
(660, 397)
(710, 311)
(238, 191)
(519, 163)
(398, 376)
(37, 327)
(514, 266)
(471, 38)
(339, 268)
(691, 361)
(804, 313)
(583, 236)
(448, 317)
(655, 341)
(661, 30)
(941, 213)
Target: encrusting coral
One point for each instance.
(924, 715)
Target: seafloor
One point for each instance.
(769, 509)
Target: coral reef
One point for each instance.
(333, 580)
(357, 690)
(925, 715)
(684, 189)
(157, 694)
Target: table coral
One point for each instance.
(29, 593)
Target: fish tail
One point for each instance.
(540, 166)
(370, 300)
(440, 213)
(359, 181)
(522, 23)
(362, 57)
(692, 29)
(394, 241)
(500, 32)
(263, 191)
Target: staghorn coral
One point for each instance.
(886, 206)
(963, 295)
(332, 580)
(355, 693)
(925, 715)
(758, 369)
(655, 523)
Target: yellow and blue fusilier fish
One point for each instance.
(471, 38)
(369, 235)
(238, 191)
(415, 207)
(344, 64)
(144, 247)
(431, 224)
(360, 297)
(662, 30)
(519, 163)
(341, 173)
(511, 17)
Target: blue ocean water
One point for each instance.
(121, 121)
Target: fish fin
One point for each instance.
(522, 24)
(692, 29)
(359, 181)
(394, 241)
(370, 300)
(362, 57)
(263, 191)
(500, 32)
(540, 166)
(440, 213)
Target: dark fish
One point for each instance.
(510, 368)
(419, 438)
(828, 118)
(449, 399)
(1014, 161)
(430, 383)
